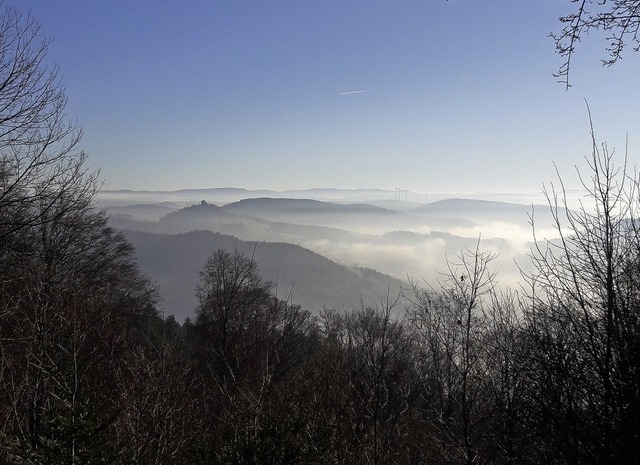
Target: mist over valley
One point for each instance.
(339, 249)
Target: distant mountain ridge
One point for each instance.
(457, 204)
(223, 195)
(310, 246)
(400, 199)
(203, 208)
(273, 204)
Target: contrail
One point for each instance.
(351, 92)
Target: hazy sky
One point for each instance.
(454, 96)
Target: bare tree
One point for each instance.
(584, 320)
(248, 344)
(40, 159)
(453, 328)
(231, 296)
(156, 382)
(618, 19)
(68, 311)
(372, 367)
(507, 361)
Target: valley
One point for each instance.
(339, 253)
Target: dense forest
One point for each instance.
(465, 372)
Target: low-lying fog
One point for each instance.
(401, 237)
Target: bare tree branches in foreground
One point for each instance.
(618, 19)
(72, 301)
(583, 324)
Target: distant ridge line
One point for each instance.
(241, 189)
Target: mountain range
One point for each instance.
(325, 252)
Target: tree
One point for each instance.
(41, 165)
(158, 421)
(452, 327)
(619, 19)
(71, 297)
(230, 295)
(583, 323)
(371, 384)
(247, 344)
(70, 309)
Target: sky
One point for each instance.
(426, 95)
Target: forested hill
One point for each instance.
(269, 206)
(315, 282)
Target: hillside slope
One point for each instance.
(174, 261)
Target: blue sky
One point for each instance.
(460, 95)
